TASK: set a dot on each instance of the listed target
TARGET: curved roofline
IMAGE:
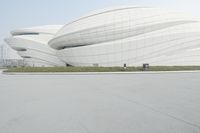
(12, 38)
(37, 30)
(102, 11)
(116, 8)
(21, 32)
(111, 9)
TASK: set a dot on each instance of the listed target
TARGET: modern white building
(131, 35)
(32, 45)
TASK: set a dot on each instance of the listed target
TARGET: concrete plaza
(100, 103)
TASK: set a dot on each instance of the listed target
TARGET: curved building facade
(32, 46)
(130, 35)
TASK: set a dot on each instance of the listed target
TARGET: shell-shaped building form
(130, 35)
(32, 45)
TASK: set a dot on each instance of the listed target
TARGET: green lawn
(101, 69)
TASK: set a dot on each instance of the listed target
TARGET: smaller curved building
(32, 45)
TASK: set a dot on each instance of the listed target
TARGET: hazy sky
(24, 13)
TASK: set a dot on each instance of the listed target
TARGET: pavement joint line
(95, 73)
(163, 113)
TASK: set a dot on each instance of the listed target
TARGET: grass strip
(101, 69)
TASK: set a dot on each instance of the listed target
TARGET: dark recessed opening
(26, 57)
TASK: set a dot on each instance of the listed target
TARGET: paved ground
(107, 103)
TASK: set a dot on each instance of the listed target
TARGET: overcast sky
(25, 13)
